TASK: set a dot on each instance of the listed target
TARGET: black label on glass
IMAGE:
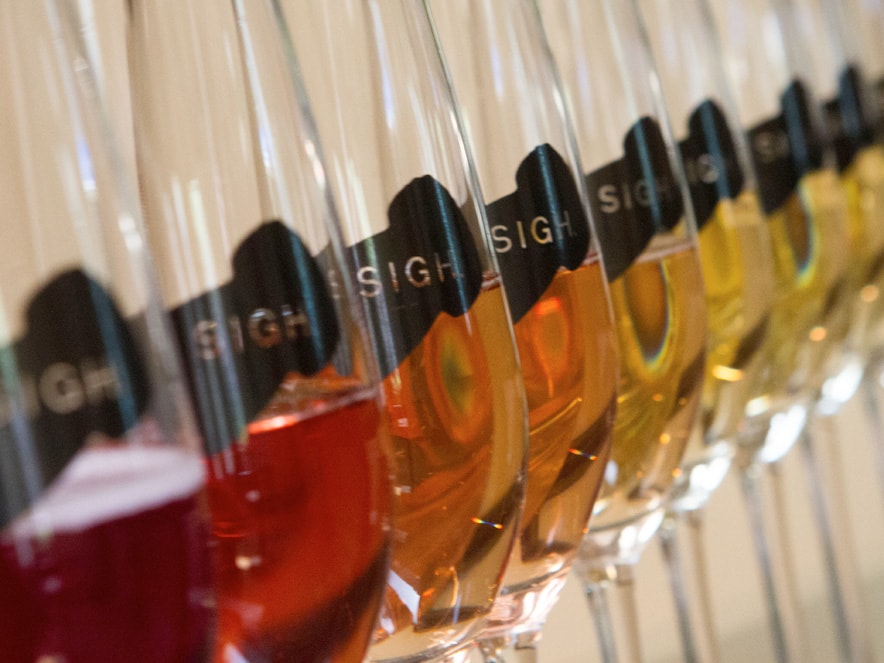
(879, 109)
(710, 160)
(538, 229)
(846, 120)
(785, 148)
(424, 263)
(276, 316)
(77, 371)
(635, 197)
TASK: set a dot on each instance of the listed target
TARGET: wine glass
(836, 74)
(645, 222)
(526, 160)
(414, 223)
(864, 20)
(737, 259)
(806, 205)
(253, 274)
(104, 550)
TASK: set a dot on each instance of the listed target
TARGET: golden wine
(458, 441)
(568, 349)
(660, 314)
(738, 273)
(864, 184)
(737, 268)
(808, 237)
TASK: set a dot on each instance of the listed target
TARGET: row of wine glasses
(463, 294)
(841, 203)
(110, 551)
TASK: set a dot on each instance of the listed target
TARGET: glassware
(836, 72)
(525, 156)
(738, 272)
(252, 268)
(104, 550)
(638, 196)
(414, 221)
(864, 22)
(807, 213)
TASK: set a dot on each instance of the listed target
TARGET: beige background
(740, 612)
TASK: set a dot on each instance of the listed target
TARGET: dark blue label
(785, 148)
(634, 198)
(538, 229)
(710, 159)
(75, 373)
(241, 340)
(850, 129)
(425, 263)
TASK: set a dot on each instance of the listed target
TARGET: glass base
(437, 645)
(841, 385)
(700, 479)
(523, 609)
(616, 545)
(511, 648)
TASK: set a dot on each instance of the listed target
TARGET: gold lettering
(502, 243)
(541, 235)
(263, 328)
(61, 389)
(205, 336)
(367, 277)
(422, 272)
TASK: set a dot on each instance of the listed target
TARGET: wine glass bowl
(510, 107)
(413, 224)
(638, 198)
(253, 275)
(102, 527)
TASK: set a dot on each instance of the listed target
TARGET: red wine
(300, 508)
(111, 564)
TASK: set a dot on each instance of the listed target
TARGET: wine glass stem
(870, 388)
(511, 648)
(825, 479)
(624, 636)
(691, 592)
(772, 550)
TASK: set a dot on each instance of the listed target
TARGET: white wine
(734, 252)
(810, 256)
(738, 274)
(864, 184)
(660, 312)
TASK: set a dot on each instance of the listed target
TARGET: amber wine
(458, 497)
(660, 313)
(568, 350)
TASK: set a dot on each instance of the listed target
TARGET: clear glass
(102, 521)
(864, 23)
(839, 77)
(738, 271)
(413, 218)
(642, 210)
(836, 80)
(526, 159)
(808, 217)
(243, 232)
